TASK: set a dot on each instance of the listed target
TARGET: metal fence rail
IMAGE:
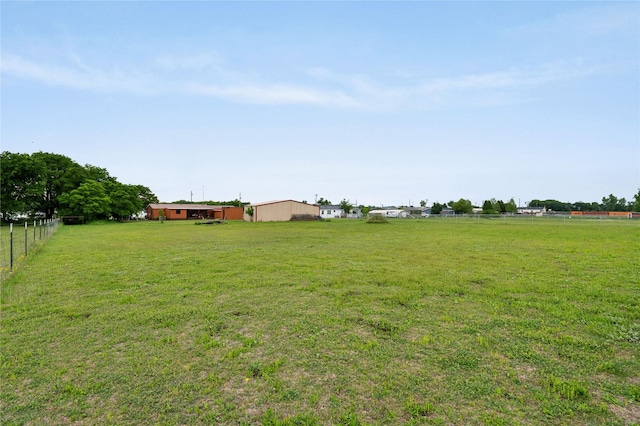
(17, 241)
(567, 218)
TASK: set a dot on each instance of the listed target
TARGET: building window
(178, 211)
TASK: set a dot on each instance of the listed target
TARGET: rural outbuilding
(388, 213)
(280, 211)
(172, 211)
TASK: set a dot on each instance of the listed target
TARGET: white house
(388, 213)
(534, 211)
(331, 212)
(355, 213)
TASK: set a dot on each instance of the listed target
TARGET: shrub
(377, 219)
(301, 217)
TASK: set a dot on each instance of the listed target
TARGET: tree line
(463, 206)
(610, 203)
(45, 184)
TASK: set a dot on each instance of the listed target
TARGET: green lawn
(342, 322)
(21, 241)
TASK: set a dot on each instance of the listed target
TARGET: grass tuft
(568, 389)
(377, 219)
(416, 410)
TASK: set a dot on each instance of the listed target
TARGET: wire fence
(18, 241)
(548, 218)
(557, 218)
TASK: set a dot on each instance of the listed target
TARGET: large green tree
(98, 174)
(20, 186)
(614, 204)
(346, 206)
(123, 199)
(586, 207)
(89, 200)
(462, 206)
(59, 174)
(437, 208)
(147, 197)
(636, 204)
(487, 207)
(36, 183)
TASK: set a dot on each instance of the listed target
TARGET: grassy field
(341, 322)
(22, 241)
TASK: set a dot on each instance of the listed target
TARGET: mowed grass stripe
(341, 322)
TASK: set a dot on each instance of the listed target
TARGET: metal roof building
(280, 211)
(173, 211)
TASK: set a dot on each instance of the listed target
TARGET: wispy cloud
(80, 76)
(274, 94)
(512, 86)
(513, 78)
(319, 87)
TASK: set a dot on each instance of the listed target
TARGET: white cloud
(322, 87)
(273, 94)
(512, 86)
(512, 78)
(81, 77)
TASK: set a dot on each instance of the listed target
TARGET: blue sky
(376, 102)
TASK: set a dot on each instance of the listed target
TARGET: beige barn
(280, 211)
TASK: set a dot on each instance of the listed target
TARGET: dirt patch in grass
(525, 373)
(630, 414)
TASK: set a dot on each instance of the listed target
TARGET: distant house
(333, 211)
(534, 211)
(280, 211)
(388, 213)
(414, 211)
(174, 211)
(355, 213)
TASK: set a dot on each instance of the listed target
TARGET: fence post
(26, 238)
(41, 229)
(11, 246)
(34, 232)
